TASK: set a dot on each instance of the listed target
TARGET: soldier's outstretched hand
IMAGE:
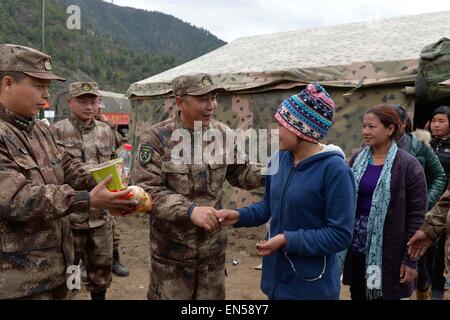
(205, 217)
(418, 245)
(227, 217)
(101, 197)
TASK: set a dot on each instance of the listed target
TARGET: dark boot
(99, 295)
(117, 267)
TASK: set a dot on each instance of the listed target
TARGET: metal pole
(42, 112)
(43, 24)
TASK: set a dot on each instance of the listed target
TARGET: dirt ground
(242, 281)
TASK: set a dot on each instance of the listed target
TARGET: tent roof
(302, 56)
(115, 102)
(111, 94)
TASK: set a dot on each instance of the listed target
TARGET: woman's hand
(267, 248)
(227, 217)
(407, 274)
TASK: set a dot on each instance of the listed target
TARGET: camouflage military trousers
(116, 234)
(172, 280)
(95, 247)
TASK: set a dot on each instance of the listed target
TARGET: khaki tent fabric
(368, 53)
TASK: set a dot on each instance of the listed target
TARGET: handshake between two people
(211, 220)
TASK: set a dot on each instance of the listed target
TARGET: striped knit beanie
(308, 114)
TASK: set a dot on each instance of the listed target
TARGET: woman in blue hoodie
(309, 200)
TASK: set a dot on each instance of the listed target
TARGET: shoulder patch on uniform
(145, 153)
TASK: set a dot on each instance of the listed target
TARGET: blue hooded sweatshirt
(313, 204)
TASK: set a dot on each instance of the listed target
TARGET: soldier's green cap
(15, 58)
(195, 84)
(80, 88)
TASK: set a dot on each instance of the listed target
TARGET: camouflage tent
(360, 64)
(432, 82)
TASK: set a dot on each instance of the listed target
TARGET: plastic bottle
(125, 153)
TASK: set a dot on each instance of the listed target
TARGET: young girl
(391, 204)
(440, 131)
(440, 142)
(310, 202)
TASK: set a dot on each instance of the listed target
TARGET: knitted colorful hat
(308, 114)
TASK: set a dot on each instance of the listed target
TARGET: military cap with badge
(15, 58)
(195, 84)
(31, 62)
(77, 89)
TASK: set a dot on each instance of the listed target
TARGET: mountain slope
(149, 31)
(106, 49)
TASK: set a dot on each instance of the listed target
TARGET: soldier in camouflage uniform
(117, 267)
(436, 225)
(40, 184)
(92, 142)
(187, 243)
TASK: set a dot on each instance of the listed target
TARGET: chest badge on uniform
(145, 153)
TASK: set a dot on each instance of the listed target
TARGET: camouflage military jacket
(437, 224)
(35, 197)
(175, 188)
(92, 145)
(119, 139)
